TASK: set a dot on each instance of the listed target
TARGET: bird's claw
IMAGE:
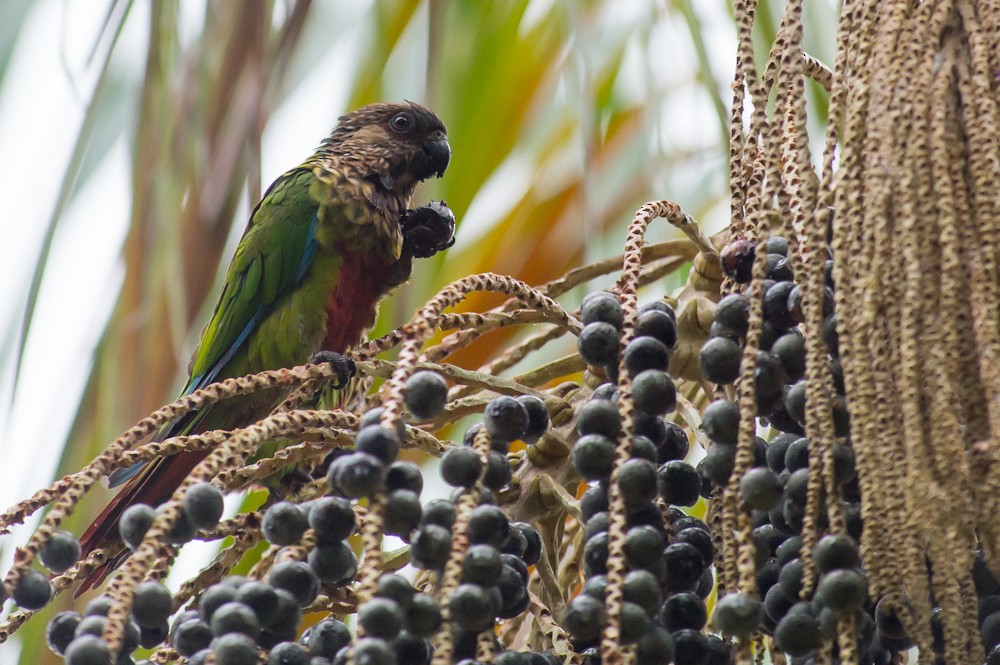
(428, 229)
(342, 365)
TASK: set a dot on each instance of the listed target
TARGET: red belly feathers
(350, 308)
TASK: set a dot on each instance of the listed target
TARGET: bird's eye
(402, 122)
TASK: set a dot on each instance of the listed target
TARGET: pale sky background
(41, 108)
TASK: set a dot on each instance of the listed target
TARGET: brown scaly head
(377, 155)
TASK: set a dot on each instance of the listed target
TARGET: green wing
(277, 248)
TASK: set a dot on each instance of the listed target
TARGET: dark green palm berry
(260, 598)
(61, 630)
(779, 268)
(288, 653)
(379, 442)
(760, 489)
(643, 546)
(32, 591)
(599, 416)
(642, 588)
(213, 598)
(332, 519)
(404, 476)
(770, 378)
(297, 578)
(333, 563)
(440, 512)
(776, 305)
(426, 395)
(373, 651)
(777, 245)
(795, 401)
(183, 529)
(430, 547)
(733, 313)
(488, 525)
(655, 647)
(595, 555)
(690, 646)
(412, 649)
(356, 475)
(235, 649)
(718, 464)
(644, 353)
(720, 360)
(381, 617)
(60, 551)
(675, 445)
(678, 483)
(461, 467)
(538, 418)
(658, 325)
(327, 637)
(684, 565)
(505, 418)
(88, 650)
(373, 417)
(738, 615)
(829, 333)
(601, 306)
(598, 343)
(203, 504)
(593, 501)
(584, 618)
(634, 621)
(843, 590)
(286, 618)
(797, 455)
(721, 421)
(836, 551)
(402, 513)
(397, 588)
(533, 548)
(790, 579)
(637, 482)
(98, 606)
(423, 617)
(134, 524)
(153, 604)
(699, 538)
(593, 456)
(471, 608)
(498, 472)
(653, 391)
(284, 523)
(683, 610)
(797, 634)
(482, 565)
(235, 617)
(790, 348)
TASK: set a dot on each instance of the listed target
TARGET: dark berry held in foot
(426, 395)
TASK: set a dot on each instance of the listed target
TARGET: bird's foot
(342, 365)
(428, 229)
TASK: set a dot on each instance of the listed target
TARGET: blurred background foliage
(563, 116)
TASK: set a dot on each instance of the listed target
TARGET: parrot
(327, 241)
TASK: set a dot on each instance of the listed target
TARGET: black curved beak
(432, 160)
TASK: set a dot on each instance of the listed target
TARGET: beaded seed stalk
(793, 456)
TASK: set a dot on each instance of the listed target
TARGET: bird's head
(393, 146)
